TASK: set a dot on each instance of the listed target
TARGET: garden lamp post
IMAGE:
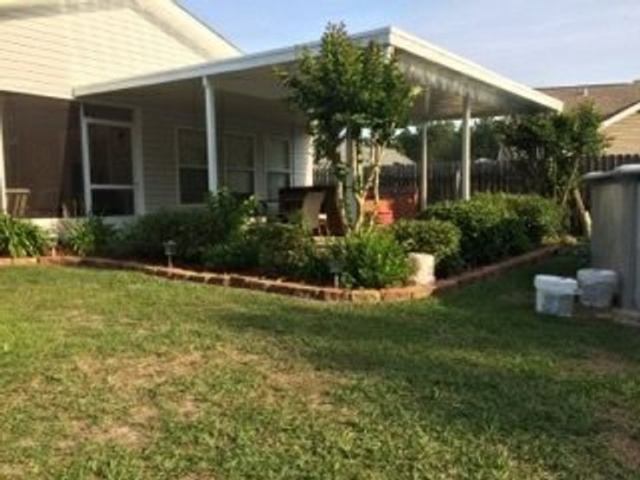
(170, 248)
(336, 267)
(52, 241)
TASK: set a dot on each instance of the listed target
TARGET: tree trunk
(376, 173)
(351, 208)
(361, 201)
(585, 218)
(340, 188)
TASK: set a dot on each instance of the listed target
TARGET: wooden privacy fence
(398, 181)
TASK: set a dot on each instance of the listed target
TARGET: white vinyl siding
(48, 53)
(625, 136)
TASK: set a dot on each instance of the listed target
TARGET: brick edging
(14, 262)
(497, 269)
(327, 294)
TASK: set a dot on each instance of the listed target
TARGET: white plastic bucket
(555, 295)
(597, 287)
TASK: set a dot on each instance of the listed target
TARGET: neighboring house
(123, 107)
(619, 105)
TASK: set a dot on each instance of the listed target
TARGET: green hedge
(144, 238)
(437, 237)
(497, 226)
(372, 259)
(20, 238)
(273, 249)
(544, 218)
(194, 230)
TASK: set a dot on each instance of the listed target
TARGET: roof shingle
(609, 99)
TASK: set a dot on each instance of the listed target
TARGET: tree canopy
(551, 149)
(355, 95)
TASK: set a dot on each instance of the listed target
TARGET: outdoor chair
(18, 199)
(311, 206)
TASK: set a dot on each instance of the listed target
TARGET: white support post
(212, 134)
(86, 164)
(466, 149)
(424, 169)
(3, 181)
(424, 159)
(138, 163)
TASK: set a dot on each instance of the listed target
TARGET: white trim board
(137, 180)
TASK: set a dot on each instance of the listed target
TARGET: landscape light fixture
(336, 266)
(170, 248)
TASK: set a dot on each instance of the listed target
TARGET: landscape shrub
(145, 236)
(236, 254)
(283, 249)
(272, 249)
(194, 230)
(20, 238)
(497, 226)
(544, 218)
(227, 214)
(91, 236)
(438, 237)
(489, 231)
(372, 259)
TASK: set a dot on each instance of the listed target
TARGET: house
(619, 105)
(123, 107)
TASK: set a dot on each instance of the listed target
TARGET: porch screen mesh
(42, 157)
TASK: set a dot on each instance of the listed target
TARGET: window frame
(90, 187)
(267, 170)
(254, 144)
(179, 166)
(139, 203)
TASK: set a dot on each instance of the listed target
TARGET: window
(278, 162)
(110, 167)
(239, 157)
(192, 166)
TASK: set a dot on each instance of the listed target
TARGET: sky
(537, 42)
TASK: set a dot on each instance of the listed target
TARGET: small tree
(552, 148)
(355, 96)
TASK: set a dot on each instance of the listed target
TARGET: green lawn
(118, 375)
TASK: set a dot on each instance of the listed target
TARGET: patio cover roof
(446, 77)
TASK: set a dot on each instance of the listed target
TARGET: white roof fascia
(627, 112)
(191, 72)
(386, 36)
(434, 54)
(245, 62)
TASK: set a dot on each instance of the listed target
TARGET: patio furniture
(317, 205)
(17, 201)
